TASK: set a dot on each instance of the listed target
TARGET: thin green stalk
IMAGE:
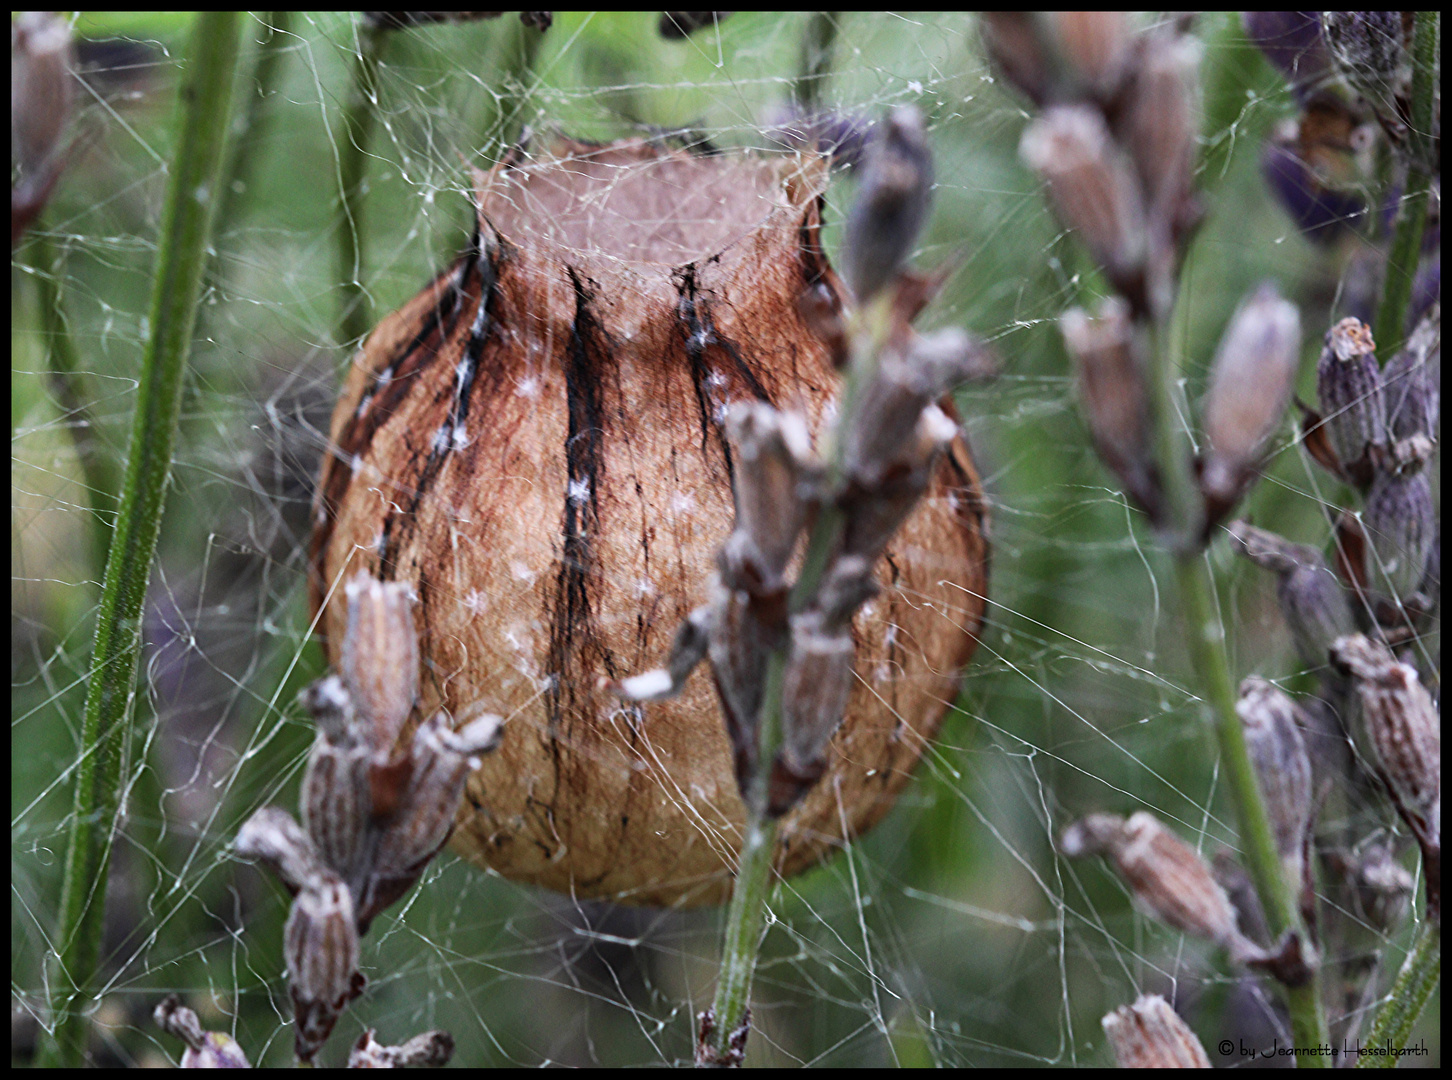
(1205, 636)
(817, 47)
(1420, 975)
(359, 117)
(1406, 248)
(251, 130)
(204, 103)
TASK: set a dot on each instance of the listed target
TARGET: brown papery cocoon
(535, 444)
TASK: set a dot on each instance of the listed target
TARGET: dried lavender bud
(818, 682)
(1402, 725)
(1096, 45)
(1014, 44)
(1311, 598)
(1323, 214)
(337, 806)
(773, 455)
(379, 662)
(1161, 121)
(1164, 874)
(1369, 49)
(1150, 1035)
(1401, 525)
(205, 1049)
(1411, 382)
(1292, 41)
(1273, 738)
(431, 1050)
(739, 648)
(320, 946)
(843, 137)
(1381, 885)
(331, 707)
(40, 112)
(892, 205)
(846, 586)
(875, 514)
(1091, 183)
(274, 837)
(1113, 396)
(1250, 385)
(1349, 389)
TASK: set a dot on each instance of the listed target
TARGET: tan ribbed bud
(1150, 1035)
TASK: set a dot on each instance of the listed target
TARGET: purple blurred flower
(1322, 214)
(1293, 43)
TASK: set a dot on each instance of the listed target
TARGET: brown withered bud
(1349, 390)
(1412, 381)
(1091, 184)
(205, 1049)
(774, 459)
(1369, 48)
(739, 649)
(1250, 385)
(274, 837)
(1015, 45)
(1400, 521)
(1161, 121)
(1402, 726)
(1150, 1035)
(1312, 601)
(320, 947)
(1166, 876)
(1380, 885)
(379, 662)
(892, 205)
(431, 1050)
(1272, 725)
(818, 681)
(1097, 46)
(1113, 396)
(40, 112)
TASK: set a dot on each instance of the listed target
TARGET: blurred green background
(952, 934)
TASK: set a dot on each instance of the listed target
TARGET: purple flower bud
(1401, 525)
(1348, 386)
(1369, 50)
(841, 136)
(1322, 214)
(892, 205)
(1292, 41)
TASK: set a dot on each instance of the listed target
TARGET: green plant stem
(1205, 637)
(1419, 976)
(359, 118)
(1406, 247)
(249, 135)
(204, 102)
(817, 46)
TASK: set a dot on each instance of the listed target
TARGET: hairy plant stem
(1205, 637)
(1411, 220)
(747, 914)
(359, 116)
(204, 103)
(1419, 976)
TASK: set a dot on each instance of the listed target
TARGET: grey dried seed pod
(1369, 49)
(1402, 725)
(331, 706)
(1272, 725)
(1312, 601)
(1411, 381)
(1250, 386)
(1113, 396)
(1150, 1035)
(1161, 121)
(1401, 525)
(379, 660)
(1349, 389)
(320, 947)
(1091, 183)
(817, 683)
(430, 1050)
(773, 457)
(274, 837)
(739, 648)
(1166, 876)
(336, 801)
(1014, 43)
(846, 586)
(892, 204)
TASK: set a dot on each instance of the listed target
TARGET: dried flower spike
(891, 207)
(1400, 521)
(1411, 381)
(320, 946)
(1150, 1035)
(430, 1050)
(205, 1049)
(1161, 123)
